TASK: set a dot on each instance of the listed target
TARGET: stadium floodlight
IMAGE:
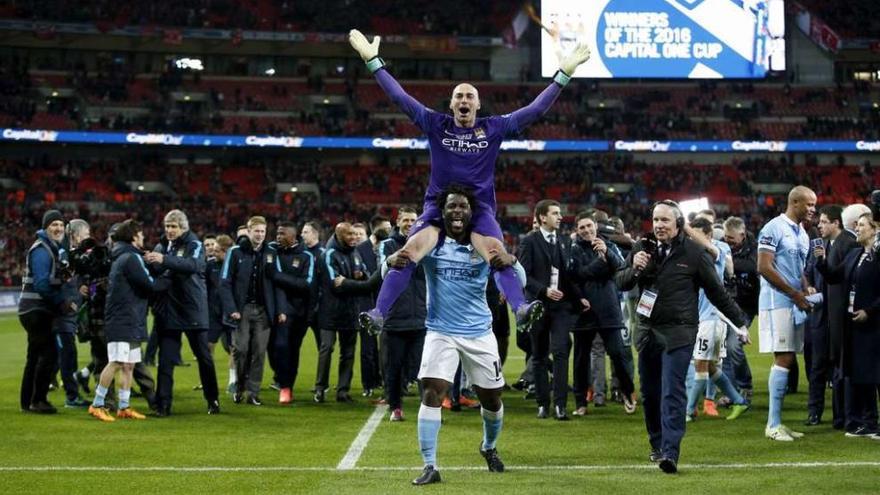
(695, 205)
(140, 187)
(293, 189)
(270, 71)
(189, 64)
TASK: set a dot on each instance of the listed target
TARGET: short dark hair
(702, 223)
(376, 220)
(834, 214)
(543, 207)
(127, 231)
(582, 215)
(599, 215)
(406, 209)
(359, 225)
(210, 236)
(456, 189)
(287, 224)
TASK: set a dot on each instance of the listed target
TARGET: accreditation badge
(180, 253)
(297, 262)
(270, 258)
(646, 303)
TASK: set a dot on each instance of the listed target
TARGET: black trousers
(371, 369)
(501, 329)
(169, 354)
(664, 397)
(288, 342)
(583, 343)
(861, 405)
(400, 348)
(347, 344)
(66, 345)
(42, 356)
(550, 336)
(821, 369)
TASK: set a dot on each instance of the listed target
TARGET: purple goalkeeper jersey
(460, 155)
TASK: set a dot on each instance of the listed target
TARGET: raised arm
(369, 52)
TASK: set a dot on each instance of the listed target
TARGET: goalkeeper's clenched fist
(365, 49)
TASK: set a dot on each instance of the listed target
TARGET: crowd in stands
(381, 17)
(223, 194)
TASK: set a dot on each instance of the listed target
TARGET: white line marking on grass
(360, 442)
(258, 469)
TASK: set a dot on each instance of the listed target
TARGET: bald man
(342, 282)
(783, 245)
(463, 151)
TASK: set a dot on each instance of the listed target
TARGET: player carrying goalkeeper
(463, 150)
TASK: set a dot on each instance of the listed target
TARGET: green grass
(317, 436)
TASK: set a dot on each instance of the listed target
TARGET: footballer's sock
(429, 430)
(393, 286)
(509, 285)
(723, 382)
(492, 423)
(710, 390)
(124, 398)
(85, 372)
(232, 375)
(100, 394)
(777, 383)
(694, 393)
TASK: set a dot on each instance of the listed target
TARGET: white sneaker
(778, 433)
(792, 433)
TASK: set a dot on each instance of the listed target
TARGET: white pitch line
(607, 467)
(349, 461)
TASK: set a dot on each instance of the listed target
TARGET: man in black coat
(186, 311)
(817, 324)
(296, 283)
(311, 239)
(545, 255)
(404, 332)
(593, 265)
(366, 256)
(249, 302)
(125, 323)
(669, 276)
(343, 282)
(744, 250)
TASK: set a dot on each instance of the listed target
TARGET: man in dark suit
(544, 255)
(838, 300)
(822, 364)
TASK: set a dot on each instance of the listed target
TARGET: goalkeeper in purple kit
(463, 150)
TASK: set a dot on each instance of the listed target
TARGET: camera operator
(186, 311)
(65, 326)
(130, 284)
(41, 302)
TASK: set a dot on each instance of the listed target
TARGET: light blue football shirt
(789, 243)
(707, 309)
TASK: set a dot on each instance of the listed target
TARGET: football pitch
(353, 448)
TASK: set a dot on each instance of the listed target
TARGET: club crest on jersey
(475, 257)
(180, 252)
(296, 262)
(480, 133)
(270, 258)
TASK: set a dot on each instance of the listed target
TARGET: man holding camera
(186, 311)
(41, 302)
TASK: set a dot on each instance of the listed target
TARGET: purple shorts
(483, 221)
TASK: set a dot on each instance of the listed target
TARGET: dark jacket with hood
(130, 287)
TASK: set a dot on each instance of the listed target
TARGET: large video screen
(693, 39)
